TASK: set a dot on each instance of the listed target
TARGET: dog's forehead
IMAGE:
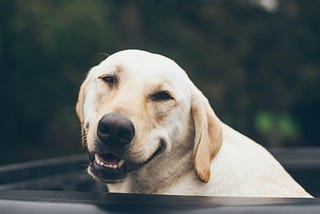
(144, 67)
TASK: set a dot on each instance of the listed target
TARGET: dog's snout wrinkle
(115, 130)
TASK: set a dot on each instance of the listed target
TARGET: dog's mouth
(109, 168)
(108, 161)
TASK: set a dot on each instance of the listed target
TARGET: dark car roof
(34, 202)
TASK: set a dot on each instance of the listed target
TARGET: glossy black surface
(33, 202)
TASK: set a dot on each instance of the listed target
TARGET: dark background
(259, 64)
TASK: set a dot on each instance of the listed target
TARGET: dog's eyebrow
(116, 69)
(119, 68)
(111, 70)
(159, 87)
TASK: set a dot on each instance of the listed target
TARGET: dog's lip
(107, 174)
(132, 166)
(106, 167)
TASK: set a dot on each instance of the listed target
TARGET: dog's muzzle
(108, 162)
(114, 132)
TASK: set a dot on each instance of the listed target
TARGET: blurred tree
(258, 66)
(45, 46)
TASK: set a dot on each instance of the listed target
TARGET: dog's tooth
(97, 160)
(111, 166)
(121, 162)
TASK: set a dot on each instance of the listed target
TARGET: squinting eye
(111, 80)
(161, 96)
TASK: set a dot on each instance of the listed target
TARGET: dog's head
(135, 107)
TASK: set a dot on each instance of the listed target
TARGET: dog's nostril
(126, 135)
(115, 130)
(104, 133)
(104, 129)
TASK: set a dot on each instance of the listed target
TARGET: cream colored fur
(203, 156)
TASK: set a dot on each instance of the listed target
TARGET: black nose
(115, 130)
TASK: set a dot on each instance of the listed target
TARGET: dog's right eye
(161, 96)
(111, 80)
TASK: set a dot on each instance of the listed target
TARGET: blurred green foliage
(275, 128)
(259, 68)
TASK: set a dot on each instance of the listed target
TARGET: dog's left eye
(111, 80)
(161, 96)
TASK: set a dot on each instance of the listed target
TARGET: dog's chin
(108, 168)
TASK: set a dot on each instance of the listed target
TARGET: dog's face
(135, 107)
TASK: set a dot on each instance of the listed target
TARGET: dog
(148, 129)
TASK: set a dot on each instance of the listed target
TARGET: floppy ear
(208, 135)
(79, 110)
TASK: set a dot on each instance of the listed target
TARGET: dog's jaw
(108, 168)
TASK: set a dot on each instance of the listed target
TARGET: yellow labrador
(148, 129)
